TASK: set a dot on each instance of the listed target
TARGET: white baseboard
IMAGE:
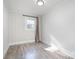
(21, 42)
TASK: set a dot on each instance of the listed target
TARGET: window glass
(30, 23)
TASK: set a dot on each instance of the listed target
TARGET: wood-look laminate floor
(33, 51)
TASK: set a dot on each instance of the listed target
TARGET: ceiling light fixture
(40, 2)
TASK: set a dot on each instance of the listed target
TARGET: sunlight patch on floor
(52, 48)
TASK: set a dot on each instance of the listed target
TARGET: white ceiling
(29, 6)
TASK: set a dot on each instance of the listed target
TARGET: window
(30, 23)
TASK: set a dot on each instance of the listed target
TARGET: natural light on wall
(54, 44)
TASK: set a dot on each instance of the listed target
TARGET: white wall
(58, 26)
(17, 33)
(5, 30)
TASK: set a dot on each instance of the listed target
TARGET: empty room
(39, 29)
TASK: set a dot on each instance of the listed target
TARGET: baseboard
(21, 42)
